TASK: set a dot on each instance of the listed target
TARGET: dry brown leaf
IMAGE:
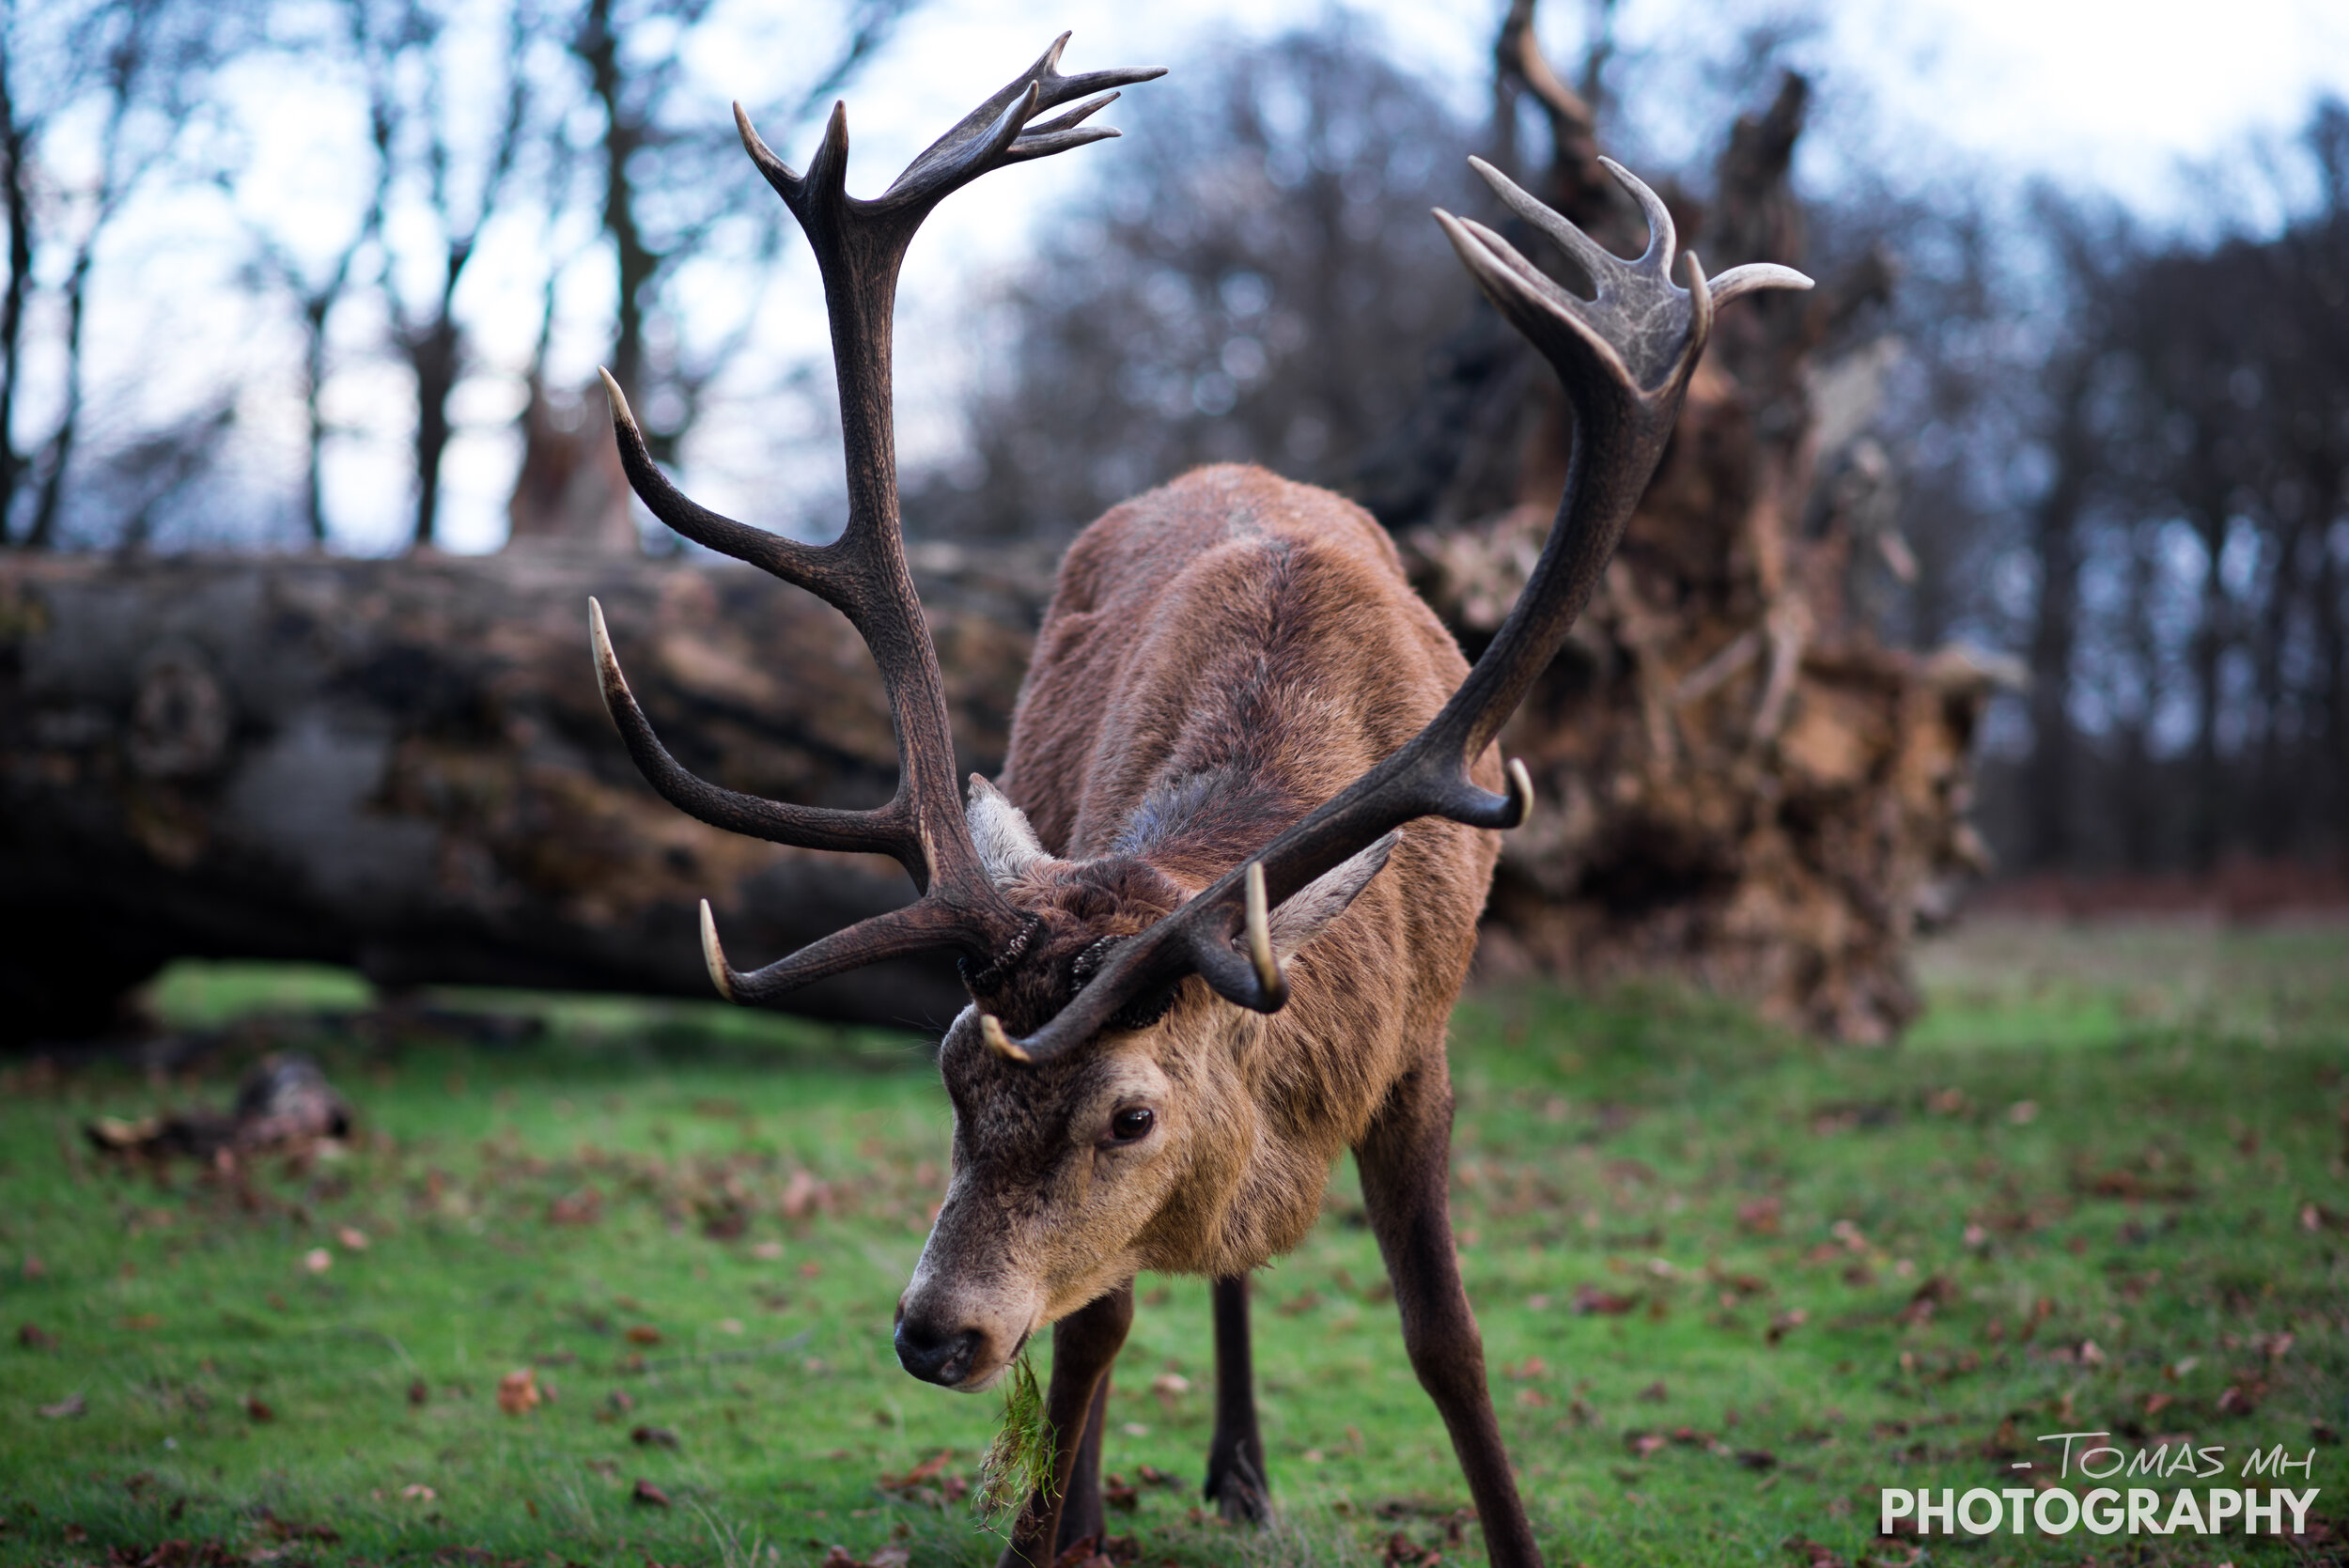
(1589, 1298)
(518, 1391)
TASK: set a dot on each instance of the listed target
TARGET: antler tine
(1661, 239)
(1755, 275)
(988, 135)
(778, 173)
(1624, 359)
(921, 926)
(1063, 131)
(878, 832)
(1589, 253)
(805, 566)
(859, 246)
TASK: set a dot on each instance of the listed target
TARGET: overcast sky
(2097, 92)
(2094, 92)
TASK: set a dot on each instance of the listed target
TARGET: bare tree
(318, 290)
(665, 181)
(143, 64)
(2190, 539)
(430, 169)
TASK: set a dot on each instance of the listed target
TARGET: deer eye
(1132, 1124)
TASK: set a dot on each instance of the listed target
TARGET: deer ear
(1308, 912)
(1000, 830)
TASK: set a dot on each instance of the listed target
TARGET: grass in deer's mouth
(1019, 1463)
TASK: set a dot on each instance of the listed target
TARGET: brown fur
(1235, 628)
(1221, 656)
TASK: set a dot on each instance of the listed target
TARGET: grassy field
(1731, 1284)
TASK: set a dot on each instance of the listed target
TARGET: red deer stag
(1191, 985)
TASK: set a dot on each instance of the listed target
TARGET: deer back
(1221, 657)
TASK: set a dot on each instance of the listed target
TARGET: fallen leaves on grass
(642, 1333)
(2146, 1186)
(652, 1437)
(2241, 1396)
(895, 1555)
(317, 1260)
(518, 1392)
(2005, 1443)
(1590, 1299)
(928, 1482)
(288, 1529)
(927, 1472)
(33, 1337)
(1926, 1300)
(1784, 1324)
(1403, 1552)
(646, 1495)
(1814, 1554)
(257, 1407)
(583, 1207)
(174, 1554)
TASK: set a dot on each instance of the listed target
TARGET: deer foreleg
(1085, 1344)
(1081, 1500)
(1236, 1472)
(1406, 1161)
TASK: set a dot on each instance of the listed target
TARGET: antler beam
(859, 246)
(1625, 358)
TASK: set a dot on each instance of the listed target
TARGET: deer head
(1073, 1172)
(1100, 1124)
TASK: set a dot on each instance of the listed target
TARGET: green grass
(2116, 1139)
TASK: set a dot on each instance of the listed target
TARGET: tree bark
(405, 766)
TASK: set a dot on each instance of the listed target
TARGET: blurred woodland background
(2020, 549)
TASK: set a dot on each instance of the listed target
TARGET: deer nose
(934, 1354)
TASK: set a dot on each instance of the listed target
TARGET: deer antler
(859, 247)
(1625, 358)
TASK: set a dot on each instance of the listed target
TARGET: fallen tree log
(404, 767)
